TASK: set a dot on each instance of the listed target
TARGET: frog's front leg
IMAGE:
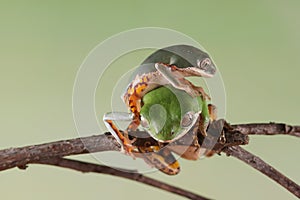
(175, 76)
(123, 140)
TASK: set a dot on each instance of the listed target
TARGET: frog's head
(198, 62)
(167, 115)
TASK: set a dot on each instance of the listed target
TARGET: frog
(165, 67)
(168, 66)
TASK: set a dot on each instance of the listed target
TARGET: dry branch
(268, 129)
(53, 153)
(90, 167)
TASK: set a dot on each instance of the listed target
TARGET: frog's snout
(206, 67)
(211, 70)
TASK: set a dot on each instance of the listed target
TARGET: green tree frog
(150, 104)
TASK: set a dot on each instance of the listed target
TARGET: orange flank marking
(133, 99)
(133, 103)
(140, 88)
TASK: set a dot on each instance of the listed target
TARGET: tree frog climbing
(168, 66)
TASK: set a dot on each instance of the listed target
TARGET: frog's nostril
(213, 70)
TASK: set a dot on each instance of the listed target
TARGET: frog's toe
(203, 128)
(203, 132)
(203, 93)
(127, 150)
(127, 147)
(212, 109)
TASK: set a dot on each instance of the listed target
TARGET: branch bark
(20, 157)
(268, 129)
(89, 167)
(53, 153)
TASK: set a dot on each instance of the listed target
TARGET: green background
(255, 44)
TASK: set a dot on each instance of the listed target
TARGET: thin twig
(89, 167)
(263, 167)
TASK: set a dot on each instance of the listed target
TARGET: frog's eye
(204, 63)
(187, 119)
(144, 122)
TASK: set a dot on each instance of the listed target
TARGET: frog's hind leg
(163, 160)
(189, 149)
(123, 140)
(177, 80)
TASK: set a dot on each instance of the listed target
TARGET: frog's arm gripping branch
(178, 81)
(108, 119)
(53, 153)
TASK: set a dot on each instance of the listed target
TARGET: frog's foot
(127, 147)
(203, 127)
(133, 126)
(204, 119)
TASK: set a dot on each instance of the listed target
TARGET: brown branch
(20, 157)
(52, 153)
(268, 129)
(257, 163)
(89, 167)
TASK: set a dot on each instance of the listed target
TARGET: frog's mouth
(200, 72)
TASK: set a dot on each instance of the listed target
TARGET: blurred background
(255, 44)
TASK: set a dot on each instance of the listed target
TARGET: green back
(164, 108)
